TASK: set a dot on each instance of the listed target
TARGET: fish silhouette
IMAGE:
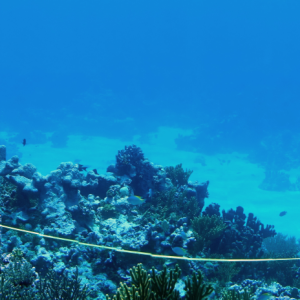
(24, 142)
(283, 213)
(81, 167)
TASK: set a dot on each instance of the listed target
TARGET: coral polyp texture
(134, 205)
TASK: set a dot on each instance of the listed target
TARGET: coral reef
(94, 208)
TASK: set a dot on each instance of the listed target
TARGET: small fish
(24, 142)
(183, 234)
(135, 200)
(283, 213)
(81, 167)
(95, 171)
(179, 251)
(150, 193)
(266, 296)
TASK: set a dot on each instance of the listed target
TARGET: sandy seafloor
(232, 183)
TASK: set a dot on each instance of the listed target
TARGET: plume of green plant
(6, 192)
(188, 207)
(207, 229)
(167, 202)
(177, 175)
(233, 294)
(18, 278)
(226, 272)
(19, 271)
(196, 289)
(163, 284)
(10, 292)
(61, 287)
(281, 271)
(280, 244)
(7, 290)
(108, 211)
(162, 204)
(296, 283)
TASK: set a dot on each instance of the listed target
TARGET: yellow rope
(150, 254)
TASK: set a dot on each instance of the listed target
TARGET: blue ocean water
(213, 85)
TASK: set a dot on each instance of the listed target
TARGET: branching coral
(207, 229)
(161, 286)
(140, 289)
(164, 283)
(128, 159)
(142, 281)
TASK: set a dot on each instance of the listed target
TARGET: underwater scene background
(149, 150)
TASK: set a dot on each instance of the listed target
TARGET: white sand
(232, 183)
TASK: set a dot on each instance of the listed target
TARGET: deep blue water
(162, 63)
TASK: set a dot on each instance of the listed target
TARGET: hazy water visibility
(210, 84)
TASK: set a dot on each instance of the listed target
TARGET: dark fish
(81, 167)
(95, 171)
(24, 142)
(283, 213)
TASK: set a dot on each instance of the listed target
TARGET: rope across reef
(150, 254)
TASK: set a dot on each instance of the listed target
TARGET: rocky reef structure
(101, 209)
